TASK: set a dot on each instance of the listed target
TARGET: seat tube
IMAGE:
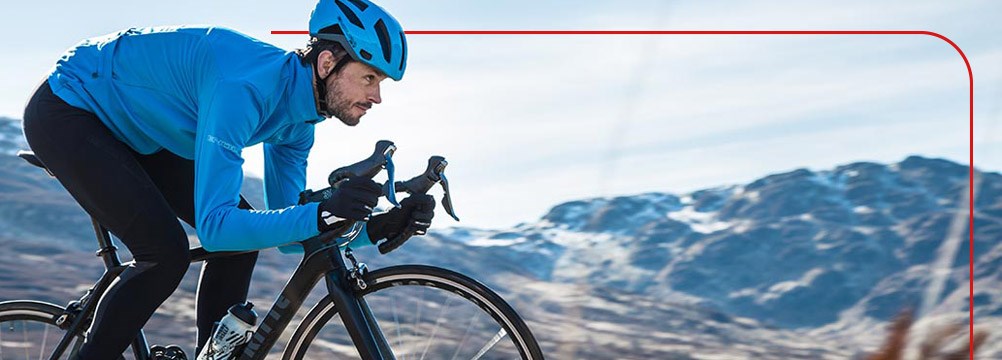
(141, 348)
(107, 250)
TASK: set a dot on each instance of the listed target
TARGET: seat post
(107, 249)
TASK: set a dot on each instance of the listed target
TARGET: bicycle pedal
(169, 352)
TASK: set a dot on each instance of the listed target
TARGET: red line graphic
(967, 63)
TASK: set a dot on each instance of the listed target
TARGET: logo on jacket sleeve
(224, 144)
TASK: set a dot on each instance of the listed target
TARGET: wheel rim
(28, 334)
(421, 322)
(425, 313)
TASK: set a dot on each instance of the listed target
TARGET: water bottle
(230, 332)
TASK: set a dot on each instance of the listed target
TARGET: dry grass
(935, 346)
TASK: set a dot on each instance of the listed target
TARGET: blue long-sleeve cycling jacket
(205, 94)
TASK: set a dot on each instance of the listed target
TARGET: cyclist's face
(352, 91)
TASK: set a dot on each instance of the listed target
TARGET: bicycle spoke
(45, 336)
(417, 318)
(490, 344)
(438, 323)
(466, 336)
(396, 321)
(24, 329)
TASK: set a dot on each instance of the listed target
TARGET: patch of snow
(862, 210)
(742, 226)
(701, 222)
(822, 179)
(485, 242)
(865, 230)
(33, 258)
(574, 239)
(779, 289)
(463, 235)
(746, 292)
(824, 246)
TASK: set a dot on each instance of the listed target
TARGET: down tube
(288, 303)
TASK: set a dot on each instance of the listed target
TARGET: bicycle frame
(323, 259)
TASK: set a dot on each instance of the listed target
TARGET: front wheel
(424, 312)
(28, 330)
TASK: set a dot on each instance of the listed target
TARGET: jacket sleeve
(227, 118)
(285, 169)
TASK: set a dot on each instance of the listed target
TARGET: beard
(341, 107)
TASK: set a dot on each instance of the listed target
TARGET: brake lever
(434, 173)
(447, 199)
(391, 194)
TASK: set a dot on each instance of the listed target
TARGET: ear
(325, 63)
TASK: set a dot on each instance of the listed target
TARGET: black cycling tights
(139, 199)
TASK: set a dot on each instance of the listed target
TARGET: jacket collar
(302, 99)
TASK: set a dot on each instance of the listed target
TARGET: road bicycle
(398, 312)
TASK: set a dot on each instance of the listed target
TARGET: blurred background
(660, 196)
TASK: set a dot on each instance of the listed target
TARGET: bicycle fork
(345, 292)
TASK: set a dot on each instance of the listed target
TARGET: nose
(374, 96)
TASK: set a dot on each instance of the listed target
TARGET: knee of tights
(167, 269)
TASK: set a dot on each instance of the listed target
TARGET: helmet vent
(352, 17)
(361, 5)
(384, 39)
(365, 55)
(403, 54)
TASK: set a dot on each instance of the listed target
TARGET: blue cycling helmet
(370, 34)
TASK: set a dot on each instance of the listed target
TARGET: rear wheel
(28, 330)
(425, 313)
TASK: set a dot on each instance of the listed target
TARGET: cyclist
(147, 125)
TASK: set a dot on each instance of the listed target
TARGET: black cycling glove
(413, 217)
(352, 201)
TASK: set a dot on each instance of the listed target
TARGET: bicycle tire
(20, 322)
(439, 282)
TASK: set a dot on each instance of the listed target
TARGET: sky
(528, 122)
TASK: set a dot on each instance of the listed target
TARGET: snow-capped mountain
(831, 254)
(796, 249)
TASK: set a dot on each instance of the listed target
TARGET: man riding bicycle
(146, 126)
